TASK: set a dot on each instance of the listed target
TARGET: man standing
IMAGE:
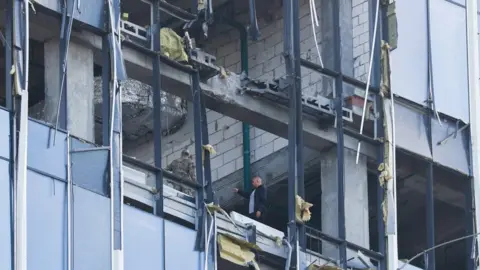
(257, 199)
(184, 167)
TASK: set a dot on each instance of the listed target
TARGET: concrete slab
(257, 112)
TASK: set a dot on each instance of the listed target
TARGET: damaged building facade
(359, 116)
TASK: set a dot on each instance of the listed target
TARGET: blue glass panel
(143, 240)
(89, 169)
(452, 152)
(43, 154)
(410, 130)
(46, 225)
(4, 134)
(409, 59)
(5, 228)
(181, 241)
(92, 230)
(449, 57)
(90, 12)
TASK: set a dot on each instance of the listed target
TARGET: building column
(79, 82)
(356, 201)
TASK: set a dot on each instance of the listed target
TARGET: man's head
(185, 153)
(256, 181)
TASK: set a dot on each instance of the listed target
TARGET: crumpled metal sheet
(137, 109)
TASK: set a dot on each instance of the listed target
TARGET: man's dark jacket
(260, 198)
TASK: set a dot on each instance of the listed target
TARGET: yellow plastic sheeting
(237, 251)
(302, 210)
(172, 45)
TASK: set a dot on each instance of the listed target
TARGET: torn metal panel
(451, 145)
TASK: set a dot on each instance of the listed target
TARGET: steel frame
(295, 140)
(10, 104)
(295, 178)
(379, 127)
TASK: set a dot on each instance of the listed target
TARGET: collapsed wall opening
(450, 213)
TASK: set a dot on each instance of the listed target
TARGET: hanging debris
(302, 210)
(172, 45)
(137, 109)
(237, 251)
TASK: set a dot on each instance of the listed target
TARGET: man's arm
(244, 194)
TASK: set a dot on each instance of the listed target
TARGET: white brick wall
(361, 44)
(265, 62)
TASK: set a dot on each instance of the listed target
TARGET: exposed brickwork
(265, 61)
(361, 44)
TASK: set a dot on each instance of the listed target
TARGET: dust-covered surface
(137, 108)
(225, 86)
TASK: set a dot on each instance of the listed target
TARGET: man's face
(255, 182)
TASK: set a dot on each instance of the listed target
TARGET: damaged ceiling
(137, 110)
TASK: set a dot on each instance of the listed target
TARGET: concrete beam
(259, 113)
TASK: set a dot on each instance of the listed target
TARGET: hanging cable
(65, 36)
(209, 236)
(369, 76)
(437, 246)
(69, 205)
(114, 86)
(314, 18)
(431, 93)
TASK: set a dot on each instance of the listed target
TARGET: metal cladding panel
(449, 58)
(409, 59)
(143, 240)
(46, 223)
(5, 228)
(4, 134)
(453, 151)
(43, 154)
(410, 132)
(91, 223)
(180, 253)
(89, 169)
(90, 12)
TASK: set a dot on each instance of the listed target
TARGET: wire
(64, 62)
(369, 76)
(209, 237)
(437, 246)
(314, 18)
(431, 92)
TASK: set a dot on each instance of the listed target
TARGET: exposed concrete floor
(259, 113)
